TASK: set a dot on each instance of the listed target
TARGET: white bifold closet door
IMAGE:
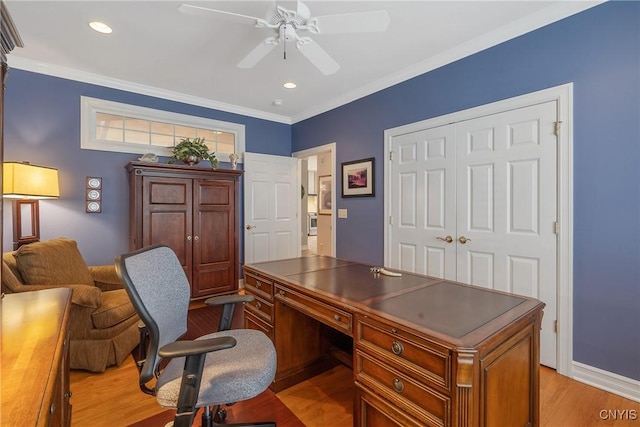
(475, 201)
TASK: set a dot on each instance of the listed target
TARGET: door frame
(563, 96)
(331, 148)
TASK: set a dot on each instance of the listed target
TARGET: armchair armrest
(105, 277)
(195, 347)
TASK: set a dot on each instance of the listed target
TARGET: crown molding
(546, 16)
(96, 79)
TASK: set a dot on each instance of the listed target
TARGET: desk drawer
(259, 286)
(425, 361)
(329, 315)
(261, 308)
(252, 321)
(418, 400)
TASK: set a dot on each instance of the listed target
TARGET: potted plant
(191, 151)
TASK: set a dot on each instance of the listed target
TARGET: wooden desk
(424, 351)
(35, 361)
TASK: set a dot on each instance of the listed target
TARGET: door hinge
(555, 326)
(556, 127)
(556, 227)
(391, 155)
(390, 220)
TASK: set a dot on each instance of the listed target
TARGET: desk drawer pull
(258, 305)
(282, 293)
(397, 385)
(397, 348)
(337, 317)
(258, 284)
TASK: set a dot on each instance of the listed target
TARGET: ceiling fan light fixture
(100, 27)
(290, 85)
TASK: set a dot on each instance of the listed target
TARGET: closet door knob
(447, 239)
(463, 240)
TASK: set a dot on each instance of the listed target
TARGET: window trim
(90, 106)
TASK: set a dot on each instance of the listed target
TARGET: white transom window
(124, 128)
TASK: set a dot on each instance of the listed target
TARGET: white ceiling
(156, 50)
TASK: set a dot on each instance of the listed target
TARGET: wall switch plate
(342, 213)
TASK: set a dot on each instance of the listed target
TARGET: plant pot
(191, 160)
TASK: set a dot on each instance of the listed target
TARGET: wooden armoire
(194, 210)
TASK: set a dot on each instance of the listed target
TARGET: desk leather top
(448, 308)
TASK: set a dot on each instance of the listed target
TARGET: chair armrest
(229, 299)
(195, 347)
(105, 277)
(82, 295)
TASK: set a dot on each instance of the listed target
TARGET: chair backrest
(160, 293)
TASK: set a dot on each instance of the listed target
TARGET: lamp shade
(27, 181)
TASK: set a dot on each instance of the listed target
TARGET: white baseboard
(608, 381)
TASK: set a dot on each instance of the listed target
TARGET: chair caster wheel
(221, 415)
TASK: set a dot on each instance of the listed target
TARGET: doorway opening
(317, 230)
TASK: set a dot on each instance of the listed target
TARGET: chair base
(210, 418)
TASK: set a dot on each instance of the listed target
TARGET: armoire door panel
(216, 229)
(163, 192)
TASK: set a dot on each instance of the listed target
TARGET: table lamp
(27, 183)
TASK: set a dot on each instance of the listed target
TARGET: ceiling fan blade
(258, 52)
(189, 9)
(358, 22)
(317, 55)
(303, 11)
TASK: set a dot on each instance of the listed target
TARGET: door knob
(447, 239)
(249, 227)
(463, 240)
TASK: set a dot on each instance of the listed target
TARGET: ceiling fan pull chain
(284, 43)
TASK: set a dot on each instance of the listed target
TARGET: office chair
(219, 368)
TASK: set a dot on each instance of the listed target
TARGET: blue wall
(42, 126)
(599, 51)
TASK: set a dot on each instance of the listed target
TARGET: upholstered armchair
(103, 323)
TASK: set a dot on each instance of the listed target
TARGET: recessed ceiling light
(100, 27)
(290, 85)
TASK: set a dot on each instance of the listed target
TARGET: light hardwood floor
(113, 399)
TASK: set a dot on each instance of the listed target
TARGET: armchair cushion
(115, 307)
(52, 262)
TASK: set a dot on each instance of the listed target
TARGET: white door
(490, 184)
(271, 205)
(506, 208)
(423, 205)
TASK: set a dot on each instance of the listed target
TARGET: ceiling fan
(286, 24)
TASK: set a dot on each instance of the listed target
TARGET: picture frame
(358, 179)
(325, 198)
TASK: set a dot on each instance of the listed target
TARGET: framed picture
(325, 202)
(357, 178)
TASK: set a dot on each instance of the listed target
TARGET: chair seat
(238, 373)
